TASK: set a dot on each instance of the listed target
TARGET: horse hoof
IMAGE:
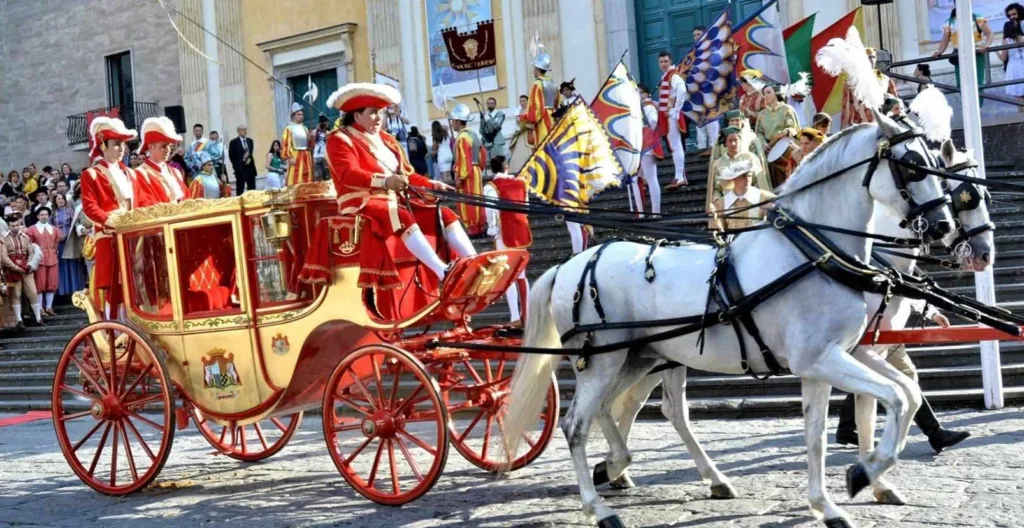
(723, 491)
(856, 479)
(889, 497)
(838, 522)
(623, 482)
(611, 522)
(601, 474)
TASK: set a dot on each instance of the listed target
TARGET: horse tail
(529, 386)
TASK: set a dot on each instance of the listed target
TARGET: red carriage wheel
(385, 424)
(113, 408)
(252, 442)
(476, 397)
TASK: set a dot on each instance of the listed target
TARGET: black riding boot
(846, 433)
(938, 437)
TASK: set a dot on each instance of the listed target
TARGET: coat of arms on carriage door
(279, 344)
(219, 370)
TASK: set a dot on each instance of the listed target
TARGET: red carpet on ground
(30, 416)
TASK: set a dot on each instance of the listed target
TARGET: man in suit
(241, 156)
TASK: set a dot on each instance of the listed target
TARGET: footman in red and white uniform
(158, 139)
(370, 172)
(510, 230)
(651, 152)
(671, 123)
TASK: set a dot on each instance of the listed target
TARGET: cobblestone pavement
(979, 483)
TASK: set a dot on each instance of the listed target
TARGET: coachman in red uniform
(166, 183)
(370, 172)
(510, 230)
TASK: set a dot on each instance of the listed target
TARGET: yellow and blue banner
(575, 162)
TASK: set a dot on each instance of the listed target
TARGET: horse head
(973, 241)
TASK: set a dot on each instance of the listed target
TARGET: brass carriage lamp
(277, 222)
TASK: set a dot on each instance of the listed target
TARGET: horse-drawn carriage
(222, 333)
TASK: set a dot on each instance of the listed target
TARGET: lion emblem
(472, 48)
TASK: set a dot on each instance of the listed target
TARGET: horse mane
(821, 163)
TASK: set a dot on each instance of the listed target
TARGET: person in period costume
(71, 266)
(109, 189)
(197, 145)
(822, 122)
(777, 122)
(748, 142)
(810, 139)
(671, 122)
(739, 194)
(370, 170)
(206, 184)
(80, 243)
(491, 122)
(18, 258)
(158, 140)
(854, 111)
(751, 100)
(295, 149)
(798, 96)
(510, 230)
(651, 151)
(47, 275)
(470, 159)
(542, 101)
(734, 152)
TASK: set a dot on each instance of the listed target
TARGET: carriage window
(207, 270)
(276, 265)
(149, 284)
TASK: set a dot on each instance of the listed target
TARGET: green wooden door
(326, 82)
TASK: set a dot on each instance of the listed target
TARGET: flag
(471, 50)
(828, 91)
(617, 107)
(798, 47)
(575, 162)
(760, 46)
(708, 70)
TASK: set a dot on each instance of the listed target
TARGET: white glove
(81, 230)
(492, 231)
(674, 113)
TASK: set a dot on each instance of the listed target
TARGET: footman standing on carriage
(158, 139)
(468, 169)
(510, 230)
(371, 175)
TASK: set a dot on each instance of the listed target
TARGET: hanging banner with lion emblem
(472, 50)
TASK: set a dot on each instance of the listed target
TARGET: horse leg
(867, 408)
(837, 368)
(815, 394)
(625, 410)
(674, 407)
(910, 388)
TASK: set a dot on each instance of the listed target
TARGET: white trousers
(512, 295)
(649, 172)
(711, 131)
(675, 140)
(576, 235)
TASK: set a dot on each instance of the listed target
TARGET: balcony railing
(133, 116)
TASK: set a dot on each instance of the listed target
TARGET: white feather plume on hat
(801, 87)
(933, 113)
(849, 56)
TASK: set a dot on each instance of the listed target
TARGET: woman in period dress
(71, 267)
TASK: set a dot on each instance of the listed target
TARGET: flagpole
(984, 285)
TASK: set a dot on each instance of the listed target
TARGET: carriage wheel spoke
(472, 371)
(394, 387)
(85, 372)
(501, 427)
(472, 425)
(99, 449)
(487, 436)
(75, 416)
(127, 366)
(487, 370)
(376, 465)
(501, 369)
(113, 459)
(345, 428)
(378, 382)
(145, 401)
(146, 421)
(409, 458)
(113, 362)
(529, 440)
(128, 452)
(366, 392)
(79, 393)
(362, 410)
(142, 376)
(74, 448)
(259, 434)
(394, 468)
(357, 451)
(104, 388)
(145, 446)
(223, 433)
(280, 425)
(411, 399)
(423, 445)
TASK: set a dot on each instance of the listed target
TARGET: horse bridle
(906, 170)
(967, 197)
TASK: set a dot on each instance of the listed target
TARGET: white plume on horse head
(933, 113)
(849, 56)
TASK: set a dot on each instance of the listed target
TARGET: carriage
(221, 333)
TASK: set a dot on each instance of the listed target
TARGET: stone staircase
(950, 375)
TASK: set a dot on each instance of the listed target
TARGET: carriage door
(216, 339)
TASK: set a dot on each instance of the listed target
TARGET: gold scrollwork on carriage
(487, 277)
(217, 322)
(152, 326)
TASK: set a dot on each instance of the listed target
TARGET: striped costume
(470, 157)
(295, 151)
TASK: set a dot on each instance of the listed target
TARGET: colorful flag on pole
(575, 162)
(798, 47)
(828, 91)
(471, 50)
(760, 46)
(617, 107)
(709, 72)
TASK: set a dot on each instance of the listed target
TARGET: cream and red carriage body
(222, 334)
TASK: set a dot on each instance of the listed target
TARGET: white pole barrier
(985, 291)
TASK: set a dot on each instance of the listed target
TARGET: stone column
(890, 27)
(385, 31)
(232, 78)
(620, 24)
(541, 17)
(193, 64)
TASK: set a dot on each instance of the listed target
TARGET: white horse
(974, 247)
(812, 343)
